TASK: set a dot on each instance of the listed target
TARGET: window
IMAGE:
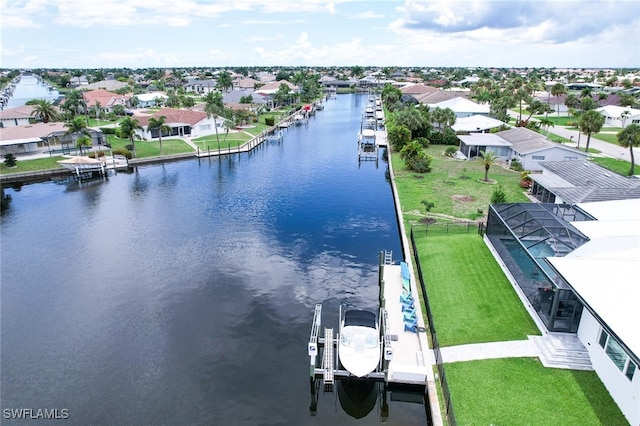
(205, 127)
(603, 339)
(631, 368)
(617, 354)
(537, 157)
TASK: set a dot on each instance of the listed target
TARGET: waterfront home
(575, 267)
(105, 98)
(41, 137)
(183, 122)
(17, 116)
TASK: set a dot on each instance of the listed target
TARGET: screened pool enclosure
(524, 235)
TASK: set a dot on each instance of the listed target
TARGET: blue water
(30, 88)
(183, 293)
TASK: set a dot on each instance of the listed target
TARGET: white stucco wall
(625, 393)
(551, 154)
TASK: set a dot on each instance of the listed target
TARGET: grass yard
(453, 186)
(32, 165)
(211, 141)
(146, 149)
(520, 391)
(616, 165)
(471, 299)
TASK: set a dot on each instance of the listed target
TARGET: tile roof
(32, 132)
(418, 89)
(582, 181)
(23, 111)
(175, 116)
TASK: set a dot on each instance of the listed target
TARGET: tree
(44, 111)
(499, 195)
(78, 128)
(82, 141)
(590, 122)
(225, 82)
(558, 90)
(411, 119)
(159, 124)
(624, 115)
(489, 158)
(128, 130)
(72, 102)
(214, 106)
(10, 160)
(629, 137)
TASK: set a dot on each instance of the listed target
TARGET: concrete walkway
(492, 350)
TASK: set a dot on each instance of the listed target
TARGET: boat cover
(360, 318)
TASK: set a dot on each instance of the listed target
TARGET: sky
(402, 33)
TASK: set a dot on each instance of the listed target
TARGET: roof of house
(106, 98)
(175, 116)
(246, 83)
(580, 181)
(417, 89)
(460, 104)
(106, 85)
(147, 97)
(439, 96)
(475, 123)
(483, 139)
(273, 86)
(31, 133)
(23, 111)
(604, 271)
(615, 111)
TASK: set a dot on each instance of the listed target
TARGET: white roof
(147, 97)
(483, 139)
(615, 111)
(475, 123)
(460, 104)
(604, 271)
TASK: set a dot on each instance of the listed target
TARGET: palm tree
(489, 158)
(45, 111)
(558, 90)
(214, 107)
(77, 127)
(159, 124)
(83, 140)
(624, 115)
(225, 82)
(128, 130)
(590, 122)
(546, 123)
(629, 137)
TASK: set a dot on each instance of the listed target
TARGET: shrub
(515, 165)
(424, 142)
(428, 205)
(108, 130)
(270, 121)
(450, 151)
(499, 195)
(93, 154)
(10, 160)
(129, 147)
(420, 163)
(127, 154)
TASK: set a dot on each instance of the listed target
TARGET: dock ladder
(327, 360)
(388, 257)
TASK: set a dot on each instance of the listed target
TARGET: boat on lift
(359, 344)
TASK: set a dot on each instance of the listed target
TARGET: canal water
(31, 87)
(183, 293)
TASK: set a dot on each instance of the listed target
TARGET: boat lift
(329, 370)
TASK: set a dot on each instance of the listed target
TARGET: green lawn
(471, 299)
(146, 149)
(231, 140)
(616, 165)
(453, 186)
(32, 165)
(520, 391)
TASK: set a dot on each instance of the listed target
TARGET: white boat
(298, 118)
(359, 346)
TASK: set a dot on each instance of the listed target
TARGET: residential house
(246, 83)
(17, 116)
(580, 181)
(183, 122)
(617, 116)
(200, 87)
(151, 100)
(39, 137)
(476, 124)
(518, 143)
(575, 268)
(105, 98)
(461, 106)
